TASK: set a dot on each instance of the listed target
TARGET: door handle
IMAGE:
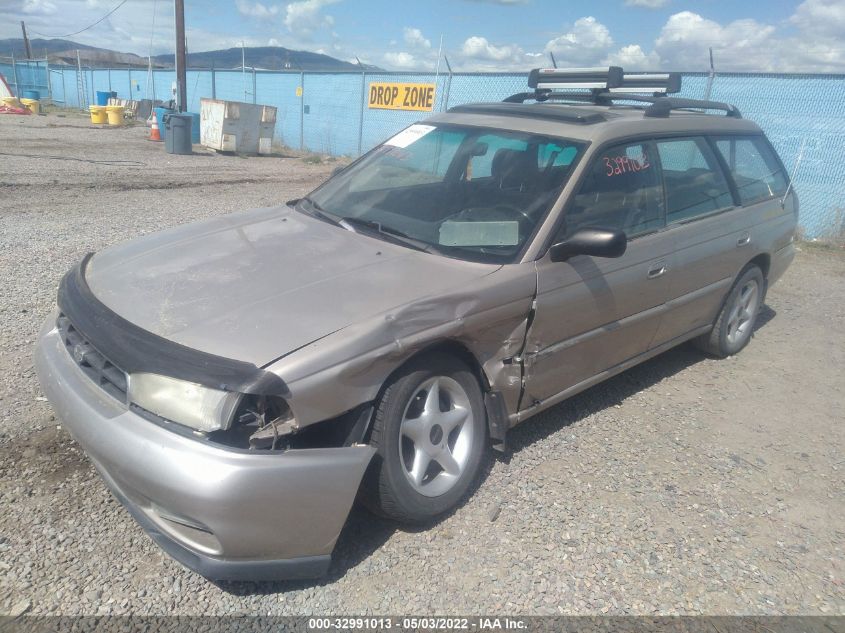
(745, 240)
(657, 270)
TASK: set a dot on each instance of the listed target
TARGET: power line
(120, 4)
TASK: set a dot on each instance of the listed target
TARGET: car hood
(258, 285)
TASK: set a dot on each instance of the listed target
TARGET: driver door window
(622, 191)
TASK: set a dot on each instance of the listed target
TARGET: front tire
(430, 429)
(735, 323)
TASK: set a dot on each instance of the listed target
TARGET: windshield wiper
(394, 235)
(350, 224)
(319, 212)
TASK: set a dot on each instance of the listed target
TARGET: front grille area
(93, 364)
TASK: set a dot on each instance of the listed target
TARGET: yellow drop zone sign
(401, 96)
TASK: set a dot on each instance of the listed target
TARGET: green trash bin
(177, 140)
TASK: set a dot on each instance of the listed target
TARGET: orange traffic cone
(155, 135)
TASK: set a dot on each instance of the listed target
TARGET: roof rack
(578, 116)
(663, 106)
(593, 78)
(665, 83)
(613, 84)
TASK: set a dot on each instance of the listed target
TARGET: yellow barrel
(115, 114)
(98, 114)
(32, 105)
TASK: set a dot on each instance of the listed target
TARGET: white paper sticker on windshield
(504, 233)
(409, 135)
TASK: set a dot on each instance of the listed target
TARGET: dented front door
(593, 313)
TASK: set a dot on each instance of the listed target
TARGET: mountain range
(60, 51)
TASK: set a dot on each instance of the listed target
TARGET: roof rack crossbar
(577, 116)
(662, 106)
(547, 95)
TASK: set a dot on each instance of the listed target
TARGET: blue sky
(776, 35)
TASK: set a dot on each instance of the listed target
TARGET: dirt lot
(686, 485)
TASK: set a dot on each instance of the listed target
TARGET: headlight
(187, 403)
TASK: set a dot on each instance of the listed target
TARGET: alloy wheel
(741, 317)
(436, 436)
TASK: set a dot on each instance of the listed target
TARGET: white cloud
(477, 53)
(586, 42)
(647, 4)
(633, 57)
(406, 61)
(821, 18)
(684, 41)
(421, 57)
(415, 38)
(38, 7)
(127, 30)
(504, 2)
(811, 40)
(304, 17)
(477, 47)
(752, 46)
(256, 9)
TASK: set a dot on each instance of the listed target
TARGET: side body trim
(523, 415)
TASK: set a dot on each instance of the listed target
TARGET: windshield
(467, 192)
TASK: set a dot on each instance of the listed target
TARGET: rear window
(756, 171)
(695, 184)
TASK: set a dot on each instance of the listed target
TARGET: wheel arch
(763, 261)
(459, 350)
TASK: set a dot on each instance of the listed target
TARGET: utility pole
(181, 58)
(26, 41)
(243, 68)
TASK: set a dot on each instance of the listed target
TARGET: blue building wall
(793, 110)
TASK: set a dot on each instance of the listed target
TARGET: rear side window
(756, 171)
(621, 191)
(694, 182)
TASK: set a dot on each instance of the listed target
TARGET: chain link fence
(26, 74)
(327, 112)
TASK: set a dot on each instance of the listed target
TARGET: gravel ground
(683, 486)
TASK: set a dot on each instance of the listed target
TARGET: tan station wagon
(238, 382)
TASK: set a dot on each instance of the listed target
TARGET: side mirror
(591, 241)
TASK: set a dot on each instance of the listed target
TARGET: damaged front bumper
(227, 514)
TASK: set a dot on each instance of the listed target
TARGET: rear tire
(430, 429)
(735, 324)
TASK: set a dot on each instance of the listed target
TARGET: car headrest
(513, 168)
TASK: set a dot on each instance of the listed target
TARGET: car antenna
(794, 172)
